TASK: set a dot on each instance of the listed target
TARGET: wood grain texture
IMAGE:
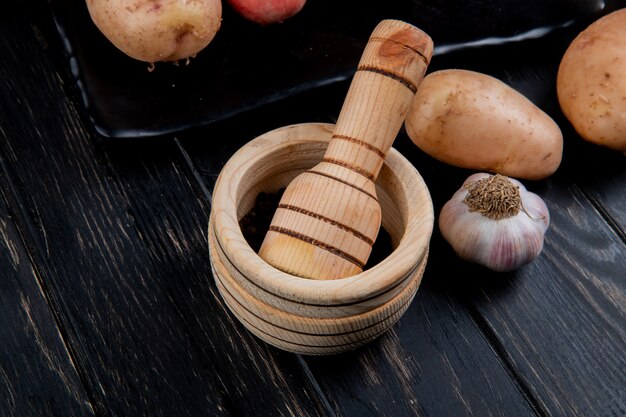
(37, 376)
(600, 173)
(118, 234)
(559, 322)
(293, 312)
(571, 307)
(434, 362)
(392, 66)
(260, 167)
(543, 322)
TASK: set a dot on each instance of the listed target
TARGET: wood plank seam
(304, 367)
(195, 173)
(10, 195)
(604, 214)
(315, 386)
(501, 354)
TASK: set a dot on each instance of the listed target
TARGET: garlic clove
(515, 244)
(536, 209)
(503, 244)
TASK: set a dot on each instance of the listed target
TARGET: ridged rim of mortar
(376, 280)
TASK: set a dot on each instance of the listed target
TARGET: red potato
(157, 30)
(266, 12)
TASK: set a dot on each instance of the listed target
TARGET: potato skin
(591, 85)
(266, 12)
(157, 30)
(472, 120)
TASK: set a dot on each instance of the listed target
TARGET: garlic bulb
(494, 221)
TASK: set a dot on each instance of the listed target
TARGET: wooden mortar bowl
(304, 315)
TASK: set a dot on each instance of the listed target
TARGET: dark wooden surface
(108, 308)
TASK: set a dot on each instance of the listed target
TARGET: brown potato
(591, 85)
(157, 30)
(472, 120)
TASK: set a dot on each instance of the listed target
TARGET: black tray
(248, 65)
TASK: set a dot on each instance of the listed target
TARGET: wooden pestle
(329, 216)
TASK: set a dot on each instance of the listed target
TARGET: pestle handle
(329, 216)
(392, 65)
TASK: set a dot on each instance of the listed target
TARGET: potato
(266, 12)
(157, 30)
(591, 85)
(472, 120)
